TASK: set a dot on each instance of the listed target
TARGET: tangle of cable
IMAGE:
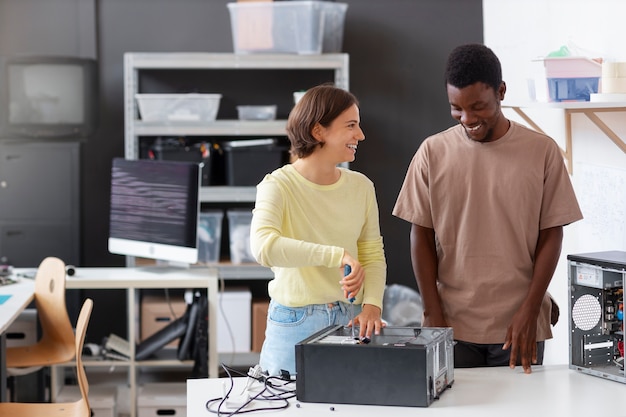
(272, 391)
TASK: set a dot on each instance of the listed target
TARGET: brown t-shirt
(487, 203)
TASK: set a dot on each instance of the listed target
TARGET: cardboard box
(259, 321)
(156, 314)
(162, 399)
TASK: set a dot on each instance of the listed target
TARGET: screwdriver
(346, 272)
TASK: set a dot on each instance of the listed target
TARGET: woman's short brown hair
(321, 104)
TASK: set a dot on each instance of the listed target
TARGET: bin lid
(250, 142)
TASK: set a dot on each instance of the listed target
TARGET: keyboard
(6, 280)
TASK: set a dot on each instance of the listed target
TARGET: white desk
(135, 278)
(21, 294)
(548, 391)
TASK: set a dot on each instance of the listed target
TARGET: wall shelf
(589, 109)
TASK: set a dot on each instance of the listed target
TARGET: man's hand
(521, 338)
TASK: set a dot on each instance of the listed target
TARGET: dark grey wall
(397, 53)
(397, 50)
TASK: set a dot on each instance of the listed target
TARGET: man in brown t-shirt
(487, 200)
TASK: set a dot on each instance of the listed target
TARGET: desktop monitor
(154, 210)
(47, 96)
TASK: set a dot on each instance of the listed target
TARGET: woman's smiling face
(343, 135)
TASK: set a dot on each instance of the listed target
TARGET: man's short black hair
(472, 63)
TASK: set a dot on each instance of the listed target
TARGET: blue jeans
(287, 326)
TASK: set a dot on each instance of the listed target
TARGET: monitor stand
(165, 267)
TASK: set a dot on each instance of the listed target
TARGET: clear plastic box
(239, 233)
(190, 107)
(257, 112)
(572, 78)
(303, 27)
(572, 89)
(209, 236)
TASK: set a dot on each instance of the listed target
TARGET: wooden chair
(78, 408)
(56, 344)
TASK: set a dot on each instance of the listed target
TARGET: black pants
(474, 355)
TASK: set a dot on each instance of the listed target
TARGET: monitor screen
(48, 96)
(154, 209)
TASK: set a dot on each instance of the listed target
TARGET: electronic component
(405, 366)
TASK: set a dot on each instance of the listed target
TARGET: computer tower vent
(586, 312)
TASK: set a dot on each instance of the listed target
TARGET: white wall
(520, 31)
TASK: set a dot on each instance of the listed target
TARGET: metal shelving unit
(332, 66)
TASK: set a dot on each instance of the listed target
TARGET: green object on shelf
(562, 51)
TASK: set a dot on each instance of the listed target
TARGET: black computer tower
(596, 312)
(403, 366)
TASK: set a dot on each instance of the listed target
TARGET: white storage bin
(257, 112)
(23, 331)
(234, 321)
(162, 399)
(102, 398)
(303, 27)
(209, 236)
(190, 107)
(239, 234)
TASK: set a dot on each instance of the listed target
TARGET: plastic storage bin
(572, 89)
(572, 78)
(23, 331)
(257, 112)
(209, 236)
(162, 399)
(303, 27)
(177, 149)
(102, 398)
(234, 320)
(239, 235)
(247, 161)
(178, 107)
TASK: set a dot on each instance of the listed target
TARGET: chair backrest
(57, 332)
(81, 331)
(57, 340)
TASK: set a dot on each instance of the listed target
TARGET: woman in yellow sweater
(311, 218)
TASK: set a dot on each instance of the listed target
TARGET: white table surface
(21, 294)
(553, 390)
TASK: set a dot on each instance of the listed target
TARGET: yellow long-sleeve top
(300, 229)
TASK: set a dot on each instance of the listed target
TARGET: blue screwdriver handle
(346, 271)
